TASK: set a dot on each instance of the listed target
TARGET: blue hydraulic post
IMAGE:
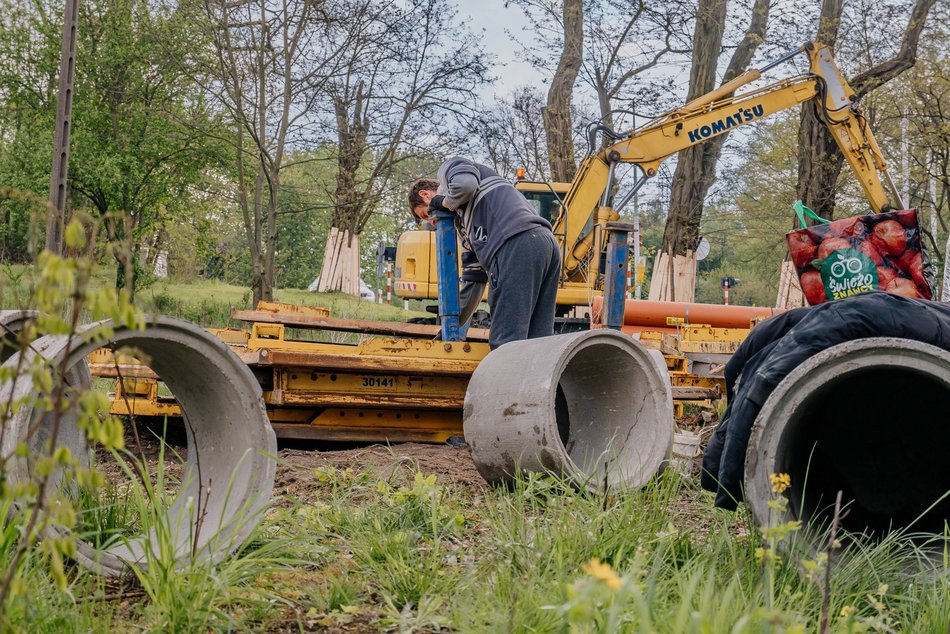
(615, 275)
(446, 247)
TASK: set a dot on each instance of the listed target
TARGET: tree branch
(865, 82)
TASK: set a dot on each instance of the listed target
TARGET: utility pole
(64, 111)
(905, 158)
(636, 227)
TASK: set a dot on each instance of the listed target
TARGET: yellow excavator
(580, 210)
(397, 383)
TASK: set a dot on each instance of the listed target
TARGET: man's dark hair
(423, 184)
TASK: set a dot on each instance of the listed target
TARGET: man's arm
(460, 178)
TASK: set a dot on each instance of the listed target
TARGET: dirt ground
(455, 465)
(449, 463)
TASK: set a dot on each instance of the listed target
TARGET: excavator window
(545, 204)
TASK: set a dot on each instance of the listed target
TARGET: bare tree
(624, 40)
(696, 166)
(610, 43)
(819, 159)
(930, 126)
(271, 59)
(405, 73)
(512, 134)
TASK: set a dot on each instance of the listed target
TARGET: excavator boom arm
(710, 116)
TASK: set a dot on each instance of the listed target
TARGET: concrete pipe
(866, 417)
(78, 378)
(594, 407)
(12, 323)
(230, 467)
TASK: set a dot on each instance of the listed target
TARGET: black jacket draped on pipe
(778, 345)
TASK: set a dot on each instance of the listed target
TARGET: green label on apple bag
(847, 272)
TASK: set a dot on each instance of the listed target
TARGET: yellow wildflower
(847, 611)
(603, 572)
(780, 482)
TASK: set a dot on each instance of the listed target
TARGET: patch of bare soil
(452, 465)
(297, 621)
(143, 445)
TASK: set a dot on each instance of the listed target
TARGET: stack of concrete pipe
(230, 464)
(867, 417)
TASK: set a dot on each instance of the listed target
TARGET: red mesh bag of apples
(841, 258)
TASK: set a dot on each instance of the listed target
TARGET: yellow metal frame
(380, 389)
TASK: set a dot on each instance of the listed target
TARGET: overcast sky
(492, 19)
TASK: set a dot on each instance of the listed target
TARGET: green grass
(418, 554)
(209, 302)
(415, 553)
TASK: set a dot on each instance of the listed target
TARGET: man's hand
(436, 204)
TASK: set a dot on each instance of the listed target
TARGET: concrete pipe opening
(229, 470)
(868, 418)
(12, 322)
(594, 407)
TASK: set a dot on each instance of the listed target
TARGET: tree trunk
(557, 113)
(257, 260)
(341, 263)
(819, 164)
(270, 244)
(250, 212)
(696, 166)
(341, 260)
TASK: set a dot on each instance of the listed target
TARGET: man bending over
(505, 244)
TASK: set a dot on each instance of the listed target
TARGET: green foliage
(747, 223)
(190, 595)
(142, 136)
(304, 217)
(41, 508)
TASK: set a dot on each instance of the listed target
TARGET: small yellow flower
(780, 482)
(603, 572)
(847, 611)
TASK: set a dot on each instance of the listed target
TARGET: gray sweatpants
(522, 287)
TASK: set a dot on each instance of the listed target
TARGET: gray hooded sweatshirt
(490, 211)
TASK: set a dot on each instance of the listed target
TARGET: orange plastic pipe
(653, 314)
